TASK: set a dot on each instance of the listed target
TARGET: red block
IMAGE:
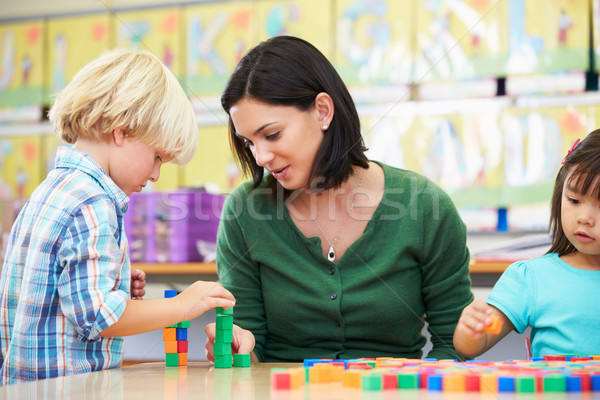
(586, 381)
(182, 346)
(555, 358)
(472, 383)
(423, 378)
(390, 381)
(280, 380)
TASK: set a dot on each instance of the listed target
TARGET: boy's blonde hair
(132, 90)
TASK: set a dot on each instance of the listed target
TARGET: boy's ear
(118, 136)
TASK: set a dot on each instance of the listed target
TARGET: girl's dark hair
(582, 167)
(289, 71)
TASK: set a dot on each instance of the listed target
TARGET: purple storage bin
(178, 226)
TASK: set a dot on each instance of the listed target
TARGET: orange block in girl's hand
(495, 327)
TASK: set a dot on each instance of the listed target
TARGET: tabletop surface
(199, 380)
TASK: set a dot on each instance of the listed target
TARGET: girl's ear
(325, 109)
(118, 136)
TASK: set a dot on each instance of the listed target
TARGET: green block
(223, 361)
(241, 360)
(408, 381)
(222, 349)
(372, 382)
(224, 321)
(525, 384)
(223, 311)
(555, 383)
(223, 336)
(183, 324)
(172, 359)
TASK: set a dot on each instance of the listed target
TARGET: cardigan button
(332, 271)
(333, 296)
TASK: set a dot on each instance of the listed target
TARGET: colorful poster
(308, 19)
(547, 36)
(156, 30)
(22, 68)
(213, 165)
(217, 36)
(596, 32)
(374, 41)
(72, 42)
(460, 39)
(21, 165)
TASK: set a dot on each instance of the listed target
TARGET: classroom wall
(483, 97)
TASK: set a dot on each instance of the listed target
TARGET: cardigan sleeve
(238, 272)
(444, 260)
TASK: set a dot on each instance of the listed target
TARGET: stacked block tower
(176, 341)
(223, 339)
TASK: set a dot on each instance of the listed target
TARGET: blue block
(573, 384)
(596, 383)
(434, 382)
(181, 333)
(506, 384)
(169, 293)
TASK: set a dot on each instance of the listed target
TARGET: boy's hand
(474, 319)
(138, 284)
(243, 342)
(202, 296)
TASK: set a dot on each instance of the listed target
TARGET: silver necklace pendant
(331, 254)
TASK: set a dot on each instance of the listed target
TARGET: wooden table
(200, 380)
(476, 266)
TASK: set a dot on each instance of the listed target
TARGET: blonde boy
(65, 285)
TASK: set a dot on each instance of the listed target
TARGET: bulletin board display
(309, 19)
(22, 64)
(457, 40)
(21, 164)
(217, 36)
(155, 30)
(373, 41)
(213, 164)
(71, 43)
(596, 32)
(547, 36)
(484, 158)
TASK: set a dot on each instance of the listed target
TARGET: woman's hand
(243, 342)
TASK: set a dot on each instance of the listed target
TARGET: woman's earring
(324, 127)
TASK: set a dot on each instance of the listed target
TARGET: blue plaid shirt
(66, 275)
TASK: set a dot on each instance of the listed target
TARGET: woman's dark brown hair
(289, 71)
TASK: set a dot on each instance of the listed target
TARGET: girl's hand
(474, 319)
(138, 284)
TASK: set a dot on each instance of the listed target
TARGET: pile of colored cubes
(223, 339)
(577, 373)
(176, 341)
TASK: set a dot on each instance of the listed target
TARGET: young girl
(554, 294)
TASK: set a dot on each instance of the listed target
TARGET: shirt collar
(68, 157)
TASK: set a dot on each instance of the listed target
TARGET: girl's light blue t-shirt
(560, 303)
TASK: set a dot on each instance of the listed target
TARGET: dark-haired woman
(328, 254)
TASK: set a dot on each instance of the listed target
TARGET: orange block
(321, 373)
(182, 358)
(169, 334)
(170, 346)
(488, 383)
(495, 327)
(297, 377)
(453, 383)
(353, 378)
